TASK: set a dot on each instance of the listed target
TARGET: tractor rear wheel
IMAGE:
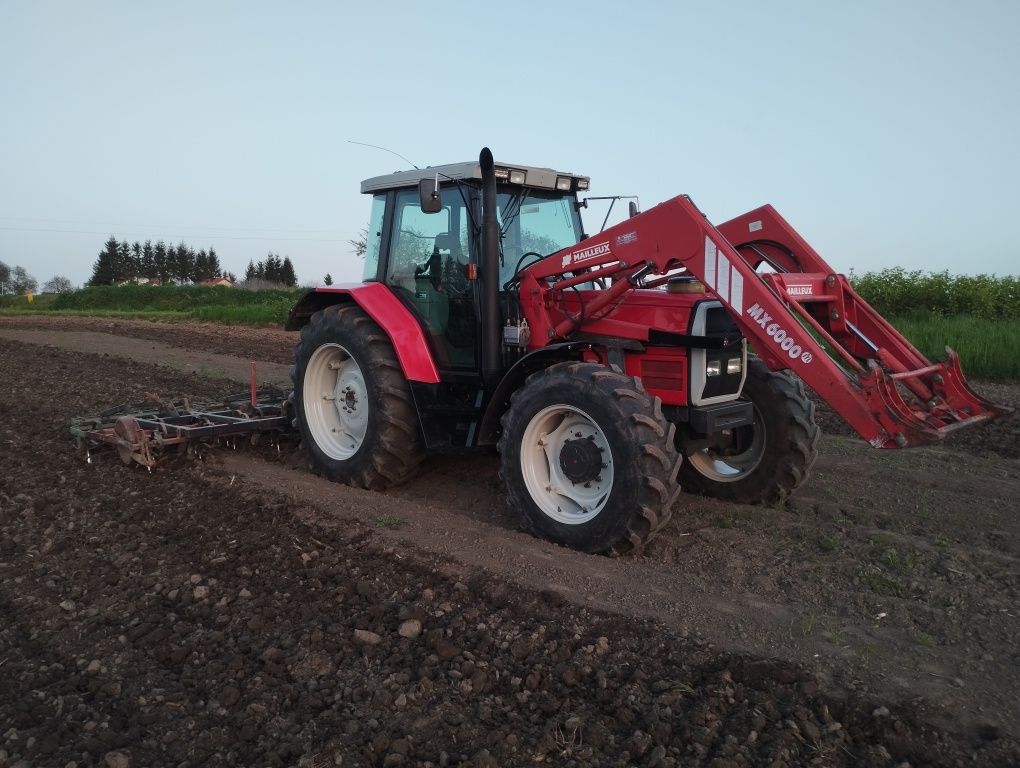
(764, 462)
(352, 403)
(588, 458)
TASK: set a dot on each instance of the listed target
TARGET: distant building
(141, 281)
(225, 281)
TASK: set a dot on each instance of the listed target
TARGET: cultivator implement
(148, 433)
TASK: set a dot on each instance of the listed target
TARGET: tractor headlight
(713, 367)
(563, 183)
(733, 365)
(582, 184)
(517, 177)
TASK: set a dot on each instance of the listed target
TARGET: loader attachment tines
(889, 392)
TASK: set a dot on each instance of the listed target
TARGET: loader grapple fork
(914, 400)
(803, 316)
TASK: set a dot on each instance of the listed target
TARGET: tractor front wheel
(761, 463)
(352, 403)
(588, 458)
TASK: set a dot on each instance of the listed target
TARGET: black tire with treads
(392, 448)
(787, 415)
(645, 458)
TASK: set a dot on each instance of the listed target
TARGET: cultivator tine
(133, 443)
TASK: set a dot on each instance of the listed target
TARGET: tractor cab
(424, 242)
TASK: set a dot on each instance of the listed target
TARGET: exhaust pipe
(492, 358)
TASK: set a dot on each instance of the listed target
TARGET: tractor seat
(449, 243)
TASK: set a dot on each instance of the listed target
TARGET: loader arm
(803, 316)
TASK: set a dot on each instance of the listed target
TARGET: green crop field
(977, 315)
(231, 306)
(987, 350)
(896, 292)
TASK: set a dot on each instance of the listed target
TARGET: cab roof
(542, 178)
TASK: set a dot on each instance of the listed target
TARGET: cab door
(427, 269)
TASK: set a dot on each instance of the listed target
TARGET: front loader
(609, 371)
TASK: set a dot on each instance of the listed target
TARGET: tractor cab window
(373, 238)
(427, 268)
(534, 221)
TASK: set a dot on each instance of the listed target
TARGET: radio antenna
(397, 154)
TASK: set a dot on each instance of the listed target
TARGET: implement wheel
(764, 462)
(588, 459)
(352, 403)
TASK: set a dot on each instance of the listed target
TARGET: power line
(161, 227)
(168, 236)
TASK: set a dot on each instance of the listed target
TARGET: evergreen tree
(249, 273)
(171, 263)
(327, 280)
(184, 263)
(136, 259)
(214, 263)
(148, 263)
(124, 271)
(190, 264)
(287, 274)
(201, 267)
(104, 271)
(161, 261)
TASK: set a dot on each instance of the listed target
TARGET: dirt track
(889, 582)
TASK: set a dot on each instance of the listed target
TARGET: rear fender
(387, 311)
(533, 362)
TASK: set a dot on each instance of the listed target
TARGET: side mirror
(428, 194)
(632, 205)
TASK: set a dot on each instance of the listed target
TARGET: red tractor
(609, 370)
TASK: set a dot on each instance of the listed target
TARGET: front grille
(711, 319)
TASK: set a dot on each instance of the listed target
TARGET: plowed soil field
(238, 610)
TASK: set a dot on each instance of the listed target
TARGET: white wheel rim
(561, 499)
(335, 401)
(728, 469)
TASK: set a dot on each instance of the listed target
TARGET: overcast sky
(888, 133)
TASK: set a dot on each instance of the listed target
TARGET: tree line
(18, 281)
(272, 269)
(122, 261)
